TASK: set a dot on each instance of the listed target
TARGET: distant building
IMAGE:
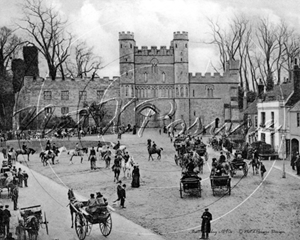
(145, 74)
(278, 114)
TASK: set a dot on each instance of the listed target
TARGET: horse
(27, 152)
(74, 205)
(255, 165)
(198, 161)
(116, 168)
(127, 166)
(45, 156)
(152, 151)
(79, 153)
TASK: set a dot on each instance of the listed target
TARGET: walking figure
(262, 170)
(205, 227)
(6, 219)
(15, 196)
(123, 196)
(119, 187)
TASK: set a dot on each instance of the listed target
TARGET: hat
(119, 181)
(99, 194)
(6, 206)
(206, 209)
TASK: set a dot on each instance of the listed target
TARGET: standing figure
(2, 229)
(107, 158)
(25, 178)
(205, 227)
(293, 160)
(123, 196)
(92, 158)
(262, 170)
(6, 219)
(20, 177)
(119, 187)
(15, 196)
(297, 164)
(135, 177)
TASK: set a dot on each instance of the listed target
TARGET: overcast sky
(154, 21)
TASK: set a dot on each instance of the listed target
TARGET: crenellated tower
(181, 74)
(127, 72)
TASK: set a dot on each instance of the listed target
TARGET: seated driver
(238, 158)
(77, 149)
(92, 204)
(101, 202)
(190, 167)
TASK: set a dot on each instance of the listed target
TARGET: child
(262, 170)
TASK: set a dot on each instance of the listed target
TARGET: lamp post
(283, 155)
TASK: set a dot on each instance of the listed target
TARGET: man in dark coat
(297, 163)
(119, 187)
(6, 219)
(294, 157)
(123, 195)
(205, 227)
(222, 158)
(92, 158)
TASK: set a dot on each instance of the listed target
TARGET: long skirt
(135, 181)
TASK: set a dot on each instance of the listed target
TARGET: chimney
(260, 88)
(30, 55)
(296, 78)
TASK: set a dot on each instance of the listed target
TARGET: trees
(82, 61)
(266, 50)
(47, 30)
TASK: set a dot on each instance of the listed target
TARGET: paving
(53, 199)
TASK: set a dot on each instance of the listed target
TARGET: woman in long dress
(135, 177)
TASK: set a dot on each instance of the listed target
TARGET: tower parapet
(126, 36)
(180, 36)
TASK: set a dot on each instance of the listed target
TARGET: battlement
(28, 80)
(144, 51)
(126, 35)
(209, 77)
(180, 36)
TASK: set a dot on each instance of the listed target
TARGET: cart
(220, 184)
(31, 221)
(84, 221)
(190, 183)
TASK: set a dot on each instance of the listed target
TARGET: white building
(276, 121)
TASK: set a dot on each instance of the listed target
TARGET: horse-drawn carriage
(190, 183)
(85, 220)
(238, 164)
(31, 221)
(5, 179)
(220, 183)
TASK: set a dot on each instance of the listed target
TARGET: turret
(126, 46)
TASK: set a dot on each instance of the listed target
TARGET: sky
(98, 22)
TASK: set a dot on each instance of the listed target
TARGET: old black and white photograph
(149, 119)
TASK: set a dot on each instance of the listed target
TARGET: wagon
(84, 221)
(31, 221)
(238, 166)
(220, 184)
(190, 183)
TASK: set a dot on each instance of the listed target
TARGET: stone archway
(295, 145)
(147, 110)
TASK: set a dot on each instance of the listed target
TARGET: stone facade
(163, 73)
(68, 96)
(158, 75)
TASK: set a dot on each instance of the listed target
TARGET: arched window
(193, 92)
(145, 77)
(186, 45)
(154, 67)
(176, 45)
(126, 91)
(163, 77)
(209, 91)
(121, 45)
(130, 45)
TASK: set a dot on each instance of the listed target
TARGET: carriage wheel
(180, 189)
(89, 228)
(46, 223)
(81, 226)
(105, 227)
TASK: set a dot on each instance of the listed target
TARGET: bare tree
(9, 46)
(47, 30)
(83, 61)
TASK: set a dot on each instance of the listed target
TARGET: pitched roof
(296, 107)
(283, 90)
(252, 108)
